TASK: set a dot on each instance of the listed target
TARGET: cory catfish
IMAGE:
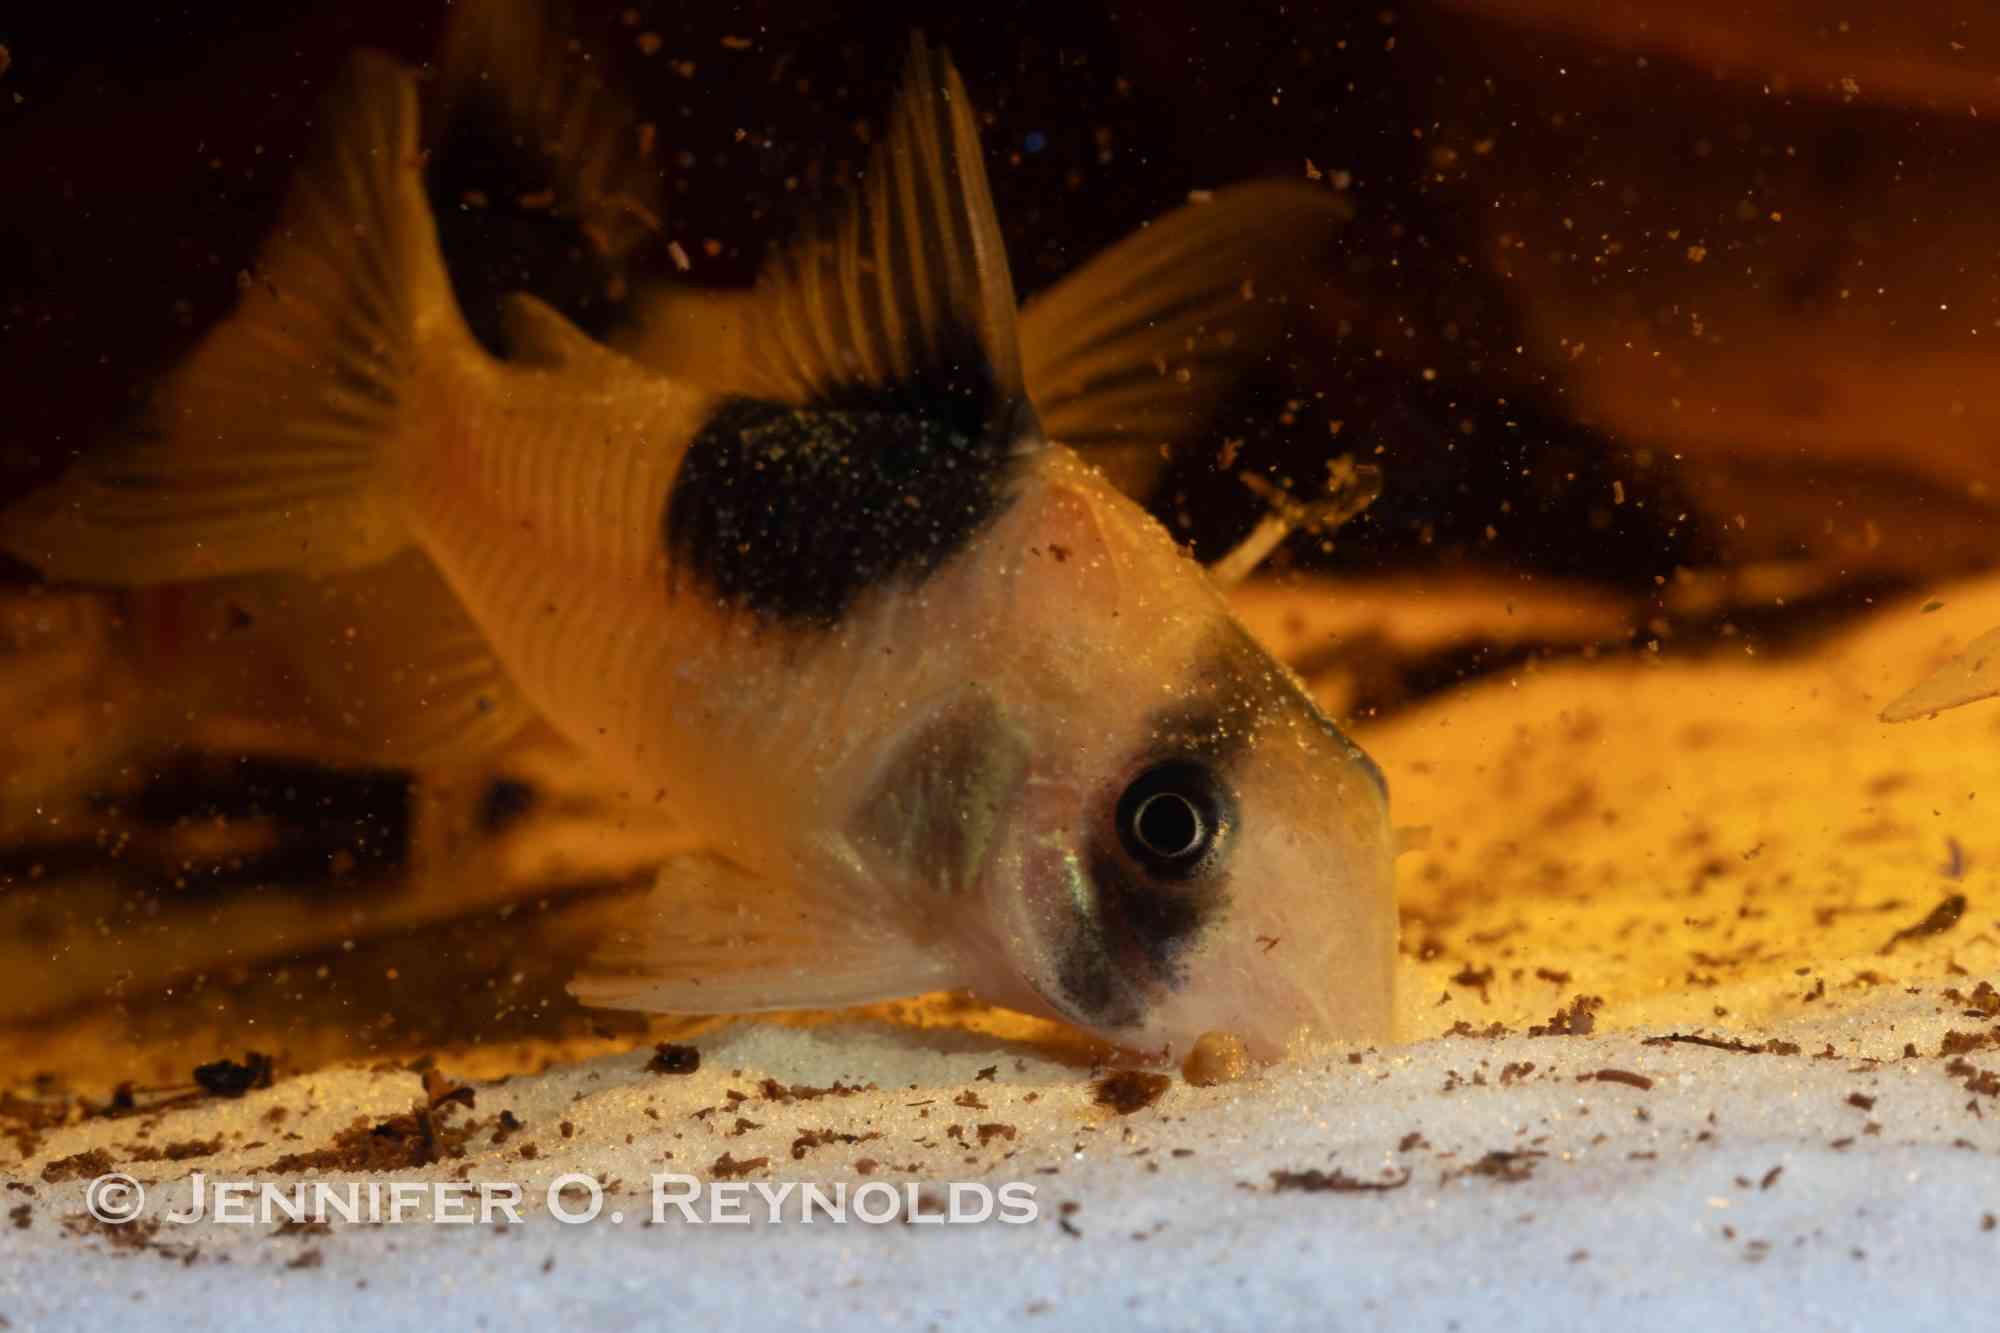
(832, 564)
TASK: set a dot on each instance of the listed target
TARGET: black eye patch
(1152, 920)
(1157, 861)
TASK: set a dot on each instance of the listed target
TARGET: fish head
(1195, 846)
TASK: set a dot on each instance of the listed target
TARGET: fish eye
(1172, 817)
(1168, 825)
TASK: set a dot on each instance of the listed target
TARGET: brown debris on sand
(1127, 1090)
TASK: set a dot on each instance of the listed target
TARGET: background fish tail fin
(267, 449)
(66, 721)
(1968, 678)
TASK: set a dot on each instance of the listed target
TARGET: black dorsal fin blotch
(792, 513)
(889, 334)
(954, 387)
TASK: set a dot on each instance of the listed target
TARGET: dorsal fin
(908, 292)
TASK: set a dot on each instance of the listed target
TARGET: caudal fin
(267, 450)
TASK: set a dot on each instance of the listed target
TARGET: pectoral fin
(714, 938)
